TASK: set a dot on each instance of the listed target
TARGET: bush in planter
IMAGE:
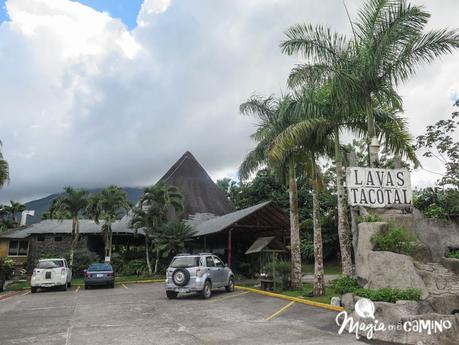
(454, 254)
(389, 295)
(82, 258)
(134, 267)
(6, 267)
(396, 239)
(344, 285)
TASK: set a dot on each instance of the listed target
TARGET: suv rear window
(50, 264)
(185, 261)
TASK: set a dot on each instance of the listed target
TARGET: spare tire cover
(181, 276)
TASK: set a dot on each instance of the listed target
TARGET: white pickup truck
(50, 273)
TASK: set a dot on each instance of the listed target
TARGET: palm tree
(14, 208)
(107, 205)
(73, 201)
(160, 203)
(4, 170)
(387, 47)
(141, 220)
(172, 236)
(275, 115)
(323, 117)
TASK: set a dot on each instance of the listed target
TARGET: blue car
(99, 274)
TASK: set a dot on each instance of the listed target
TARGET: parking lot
(141, 314)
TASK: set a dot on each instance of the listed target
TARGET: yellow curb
(294, 299)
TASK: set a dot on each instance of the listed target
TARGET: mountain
(41, 205)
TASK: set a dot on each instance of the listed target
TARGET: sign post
(378, 188)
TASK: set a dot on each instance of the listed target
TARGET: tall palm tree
(4, 170)
(142, 220)
(73, 201)
(389, 43)
(108, 205)
(323, 117)
(274, 116)
(160, 202)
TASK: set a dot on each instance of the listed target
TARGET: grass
(330, 267)
(22, 285)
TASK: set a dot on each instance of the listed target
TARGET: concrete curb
(294, 299)
(8, 295)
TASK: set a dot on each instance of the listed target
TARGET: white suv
(50, 273)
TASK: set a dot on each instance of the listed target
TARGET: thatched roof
(201, 194)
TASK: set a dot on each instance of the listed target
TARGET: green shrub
(344, 285)
(82, 258)
(6, 267)
(389, 295)
(396, 239)
(136, 266)
(371, 218)
(454, 254)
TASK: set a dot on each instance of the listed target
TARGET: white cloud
(87, 102)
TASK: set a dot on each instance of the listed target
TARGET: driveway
(140, 314)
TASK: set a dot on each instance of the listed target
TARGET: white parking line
(124, 286)
(25, 293)
(77, 289)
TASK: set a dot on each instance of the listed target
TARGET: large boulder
(378, 269)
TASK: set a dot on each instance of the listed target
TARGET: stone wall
(40, 245)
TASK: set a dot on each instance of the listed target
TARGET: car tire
(33, 289)
(64, 287)
(86, 287)
(171, 294)
(112, 285)
(69, 284)
(181, 276)
(230, 286)
(207, 290)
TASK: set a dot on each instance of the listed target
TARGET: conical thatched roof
(200, 193)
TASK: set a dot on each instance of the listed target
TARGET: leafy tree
(14, 208)
(107, 206)
(73, 201)
(4, 170)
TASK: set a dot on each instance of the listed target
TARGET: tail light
(110, 274)
(63, 271)
(87, 275)
(34, 273)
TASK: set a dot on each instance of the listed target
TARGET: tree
(275, 115)
(387, 47)
(4, 170)
(108, 205)
(172, 236)
(73, 201)
(14, 208)
(160, 203)
(142, 220)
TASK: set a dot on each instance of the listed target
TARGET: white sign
(378, 188)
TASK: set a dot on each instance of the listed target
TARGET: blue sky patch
(126, 10)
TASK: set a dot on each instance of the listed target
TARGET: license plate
(99, 275)
(48, 275)
(182, 290)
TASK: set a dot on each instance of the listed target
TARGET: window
(218, 262)
(185, 261)
(58, 238)
(50, 263)
(209, 261)
(40, 238)
(18, 248)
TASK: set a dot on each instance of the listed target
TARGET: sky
(99, 92)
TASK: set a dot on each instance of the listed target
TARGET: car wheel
(171, 294)
(33, 289)
(86, 287)
(207, 291)
(64, 287)
(69, 284)
(112, 285)
(230, 286)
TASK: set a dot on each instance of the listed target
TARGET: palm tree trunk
(294, 228)
(156, 259)
(372, 138)
(343, 223)
(75, 238)
(147, 255)
(110, 242)
(319, 284)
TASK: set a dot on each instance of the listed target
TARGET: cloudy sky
(97, 92)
